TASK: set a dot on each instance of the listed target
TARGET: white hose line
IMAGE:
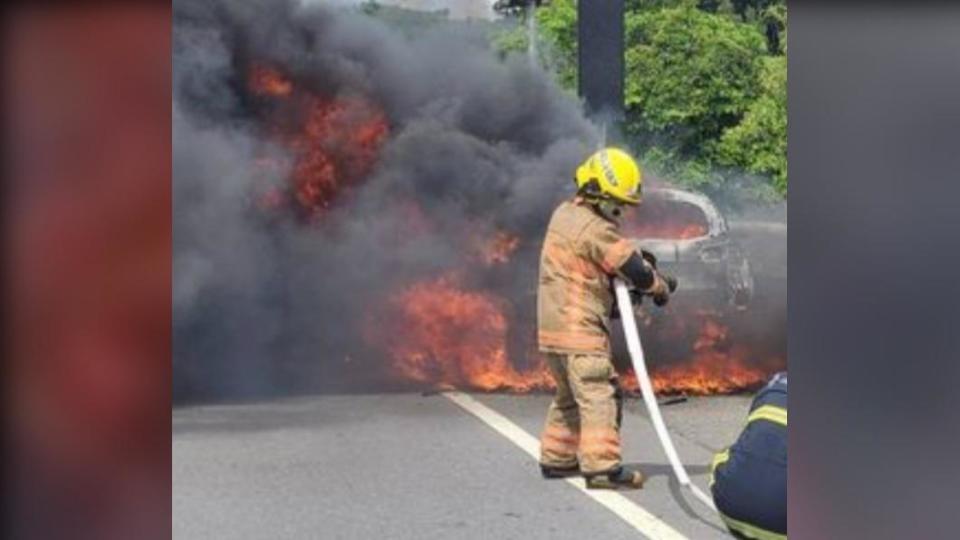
(640, 368)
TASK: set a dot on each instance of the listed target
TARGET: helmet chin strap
(609, 209)
(606, 207)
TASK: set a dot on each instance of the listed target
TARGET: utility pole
(600, 69)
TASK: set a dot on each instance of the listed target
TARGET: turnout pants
(583, 422)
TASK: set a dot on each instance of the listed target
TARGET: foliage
(749, 10)
(705, 84)
(769, 16)
(409, 22)
(776, 15)
(557, 31)
(510, 41)
(693, 173)
(690, 72)
(635, 6)
(556, 40)
(759, 142)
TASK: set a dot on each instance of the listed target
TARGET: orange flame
(499, 249)
(266, 81)
(715, 366)
(667, 220)
(450, 336)
(708, 374)
(443, 333)
(338, 145)
(335, 142)
(447, 336)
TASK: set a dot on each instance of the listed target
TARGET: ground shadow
(679, 494)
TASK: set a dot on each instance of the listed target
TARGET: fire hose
(625, 306)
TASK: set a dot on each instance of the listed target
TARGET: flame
(447, 336)
(335, 142)
(267, 81)
(661, 219)
(442, 332)
(708, 374)
(338, 146)
(452, 336)
(499, 249)
(715, 366)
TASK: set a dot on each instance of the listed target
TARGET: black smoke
(264, 305)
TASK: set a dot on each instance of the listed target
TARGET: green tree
(690, 74)
(759, 143)
(705, 83)
(557, 32)
(556, 40)
(769, 16)
(775, 27)
(648, 5)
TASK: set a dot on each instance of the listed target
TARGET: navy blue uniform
(749, 479)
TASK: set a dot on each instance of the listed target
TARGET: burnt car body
(691, 240)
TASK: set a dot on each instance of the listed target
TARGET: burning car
(691, 241)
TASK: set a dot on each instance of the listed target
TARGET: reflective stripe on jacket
(574, 298)
(749, 479)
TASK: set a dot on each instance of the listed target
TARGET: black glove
(661, 299)
(671, 282)
(662, 290)
(649, 257)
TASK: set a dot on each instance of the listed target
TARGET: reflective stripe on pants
(584, 410)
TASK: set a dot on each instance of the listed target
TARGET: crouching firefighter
(582, 251)
(749, 479)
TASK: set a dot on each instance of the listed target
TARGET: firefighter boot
(550, 472)
(621, 478)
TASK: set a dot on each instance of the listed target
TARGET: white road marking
(635, 515)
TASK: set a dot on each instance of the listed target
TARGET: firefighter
(749, 479)
(582, 251)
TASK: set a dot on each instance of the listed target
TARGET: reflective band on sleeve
(751, 531)
(718, 460)
(771, 413)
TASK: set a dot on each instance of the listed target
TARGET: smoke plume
(268, 302)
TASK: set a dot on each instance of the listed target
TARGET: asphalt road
(411, 466)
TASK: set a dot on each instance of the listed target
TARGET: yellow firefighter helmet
(614, 173)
